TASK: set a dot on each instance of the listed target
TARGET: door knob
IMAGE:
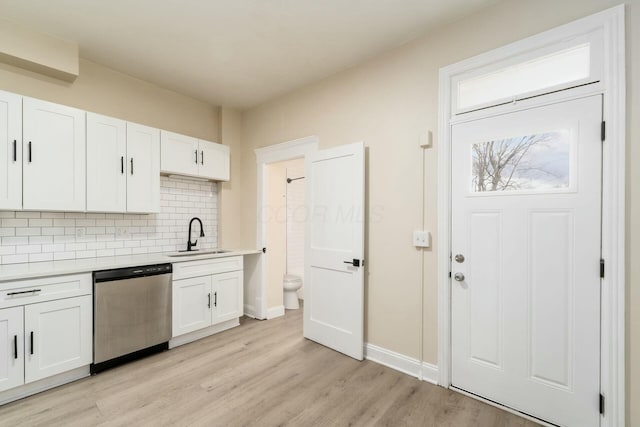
(459, 277)
(459, 258)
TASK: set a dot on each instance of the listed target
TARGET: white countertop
(31, 270)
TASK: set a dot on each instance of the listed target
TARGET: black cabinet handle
(196, 157)
(215, 299)
(132, 166)
(15, 346)
(122, 165)
(31, 342)
(15, 151)
(209, 300)
(31, 291)
(202, 157)
(29, 151)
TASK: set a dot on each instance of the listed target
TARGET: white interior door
(334, 249)
(526, 200)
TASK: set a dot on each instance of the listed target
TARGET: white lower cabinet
(41, 336)
(206, 300)
(58, 337)
(12, 346)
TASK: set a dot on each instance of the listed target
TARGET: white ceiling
(235, 53)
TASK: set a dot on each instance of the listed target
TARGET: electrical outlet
(80, 232)
(421, 239)
(122, 232)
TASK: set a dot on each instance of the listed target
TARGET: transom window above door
(562, 65)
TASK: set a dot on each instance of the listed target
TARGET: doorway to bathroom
(284, 217)
(280, 228)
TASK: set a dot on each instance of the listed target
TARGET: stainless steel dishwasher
(132, 314)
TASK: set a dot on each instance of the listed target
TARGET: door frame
(289, 150)
(612, 86)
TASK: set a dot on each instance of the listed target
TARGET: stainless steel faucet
(189, 244)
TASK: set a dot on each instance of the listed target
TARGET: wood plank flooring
(262, 373)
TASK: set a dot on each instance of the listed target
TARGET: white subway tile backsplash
(46, 236)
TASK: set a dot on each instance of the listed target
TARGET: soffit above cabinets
(237, 53)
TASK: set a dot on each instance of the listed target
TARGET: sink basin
(197, 252)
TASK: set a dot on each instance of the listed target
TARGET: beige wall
(105, 91)
(387, 102)
(230, 206)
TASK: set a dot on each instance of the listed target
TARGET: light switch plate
(421, 239)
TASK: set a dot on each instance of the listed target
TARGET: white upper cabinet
(53, 157)
(185, 155)
(214, 160)
(10, 151)
(143, 162)
(106, 164)
(180, 154)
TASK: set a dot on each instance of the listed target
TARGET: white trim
(250, 311)
(611, 22)
(298, 148)
(504, 408)
(43, 384)
(203, 333)
(274, 312)
(430, 373)
(393, 360)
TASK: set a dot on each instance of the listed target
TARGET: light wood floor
(258, 374)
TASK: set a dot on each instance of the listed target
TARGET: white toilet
(291, 285)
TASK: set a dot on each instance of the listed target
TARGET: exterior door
(58, 336)
(106, 164)
(11, 348)
(53, 157)
(10, 151)
(192, 302)
(143, 181)
(334, 249)
(526, 200)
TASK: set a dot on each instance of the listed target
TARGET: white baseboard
(42, 385)
(405, 364)
(274, 312)
(202, 333)
(250, 311)
(430, 373)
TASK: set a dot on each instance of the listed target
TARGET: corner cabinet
(185, 155)
(207, 293)
(45, 330)
(123, 166)
(53, 157)
(10, 151)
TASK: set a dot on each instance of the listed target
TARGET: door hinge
(601, 404)
(602, 269)
(264, 250)
(603, 130)
(449, 275)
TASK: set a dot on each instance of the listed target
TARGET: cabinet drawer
(183, 270)
(44, 289)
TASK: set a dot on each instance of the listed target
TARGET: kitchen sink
(197, 252)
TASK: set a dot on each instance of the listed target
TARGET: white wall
(295, 220)
(48, 236)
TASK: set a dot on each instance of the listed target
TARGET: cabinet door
(214, 161)
(106, 164)
(143, 178)
(227, 296)
(11, 348)
(53, 157)
(58, 336)
(10, 151)
(192, 302)
(179, 154)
